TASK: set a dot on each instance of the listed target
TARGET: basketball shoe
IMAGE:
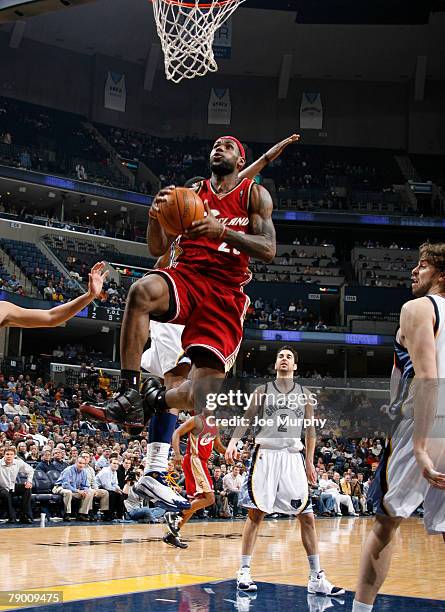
(320, 585)
(175, 541)
(129, 407)
(244, 580)
(173, 521)
(153, 485)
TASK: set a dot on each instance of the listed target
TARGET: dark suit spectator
(45, 465)
(123, 471)
(57, 464)
(220, 508)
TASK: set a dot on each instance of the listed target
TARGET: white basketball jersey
(439, 309)
(439, 332)
(402, 396)
(281, 418)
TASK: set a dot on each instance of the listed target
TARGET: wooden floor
(75, 555)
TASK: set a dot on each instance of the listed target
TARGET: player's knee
(143, 294)
(386, 526)
(256, 516)
(307, 519)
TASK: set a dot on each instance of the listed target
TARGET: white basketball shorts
(399, 487)
(276, 482)
(165, 351)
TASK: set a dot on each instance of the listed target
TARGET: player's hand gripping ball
(176, 209)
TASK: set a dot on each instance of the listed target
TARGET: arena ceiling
(125, 30)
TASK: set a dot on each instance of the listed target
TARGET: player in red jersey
(202, 289)
(203, 437)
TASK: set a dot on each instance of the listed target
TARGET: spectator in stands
(45, 464)
(342, 498)
(22, 408)
(73, 455)
(73, 482)
(39, 438)
(58, 464)
(232, 484)
(103, 458)
(25, 159)
(13, 283)
(123, 470)
(220, 509)
(327, 494)
(21, 451)
(4, 423)
(81, 172)
(345, 488)
(101, 494)
(358, 497)
(48, 291)
(10, 409)
(107, 479)
(10, 467)
(32, 456)
(321, 326)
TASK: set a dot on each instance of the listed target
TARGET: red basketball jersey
(218, 259)
(202, 444)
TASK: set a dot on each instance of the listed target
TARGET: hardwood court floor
(103, 560)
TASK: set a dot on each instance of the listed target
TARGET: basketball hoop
(187, 30)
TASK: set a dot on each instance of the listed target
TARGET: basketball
(181, 208)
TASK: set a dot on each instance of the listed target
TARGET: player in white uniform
(278, 476)
(412, 469)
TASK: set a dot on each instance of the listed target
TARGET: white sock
(314, 564)
(157, 457)
(361, 607)
(245, 560)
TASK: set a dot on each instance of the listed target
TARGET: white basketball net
(187, 30)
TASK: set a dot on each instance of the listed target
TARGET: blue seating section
(27, 256)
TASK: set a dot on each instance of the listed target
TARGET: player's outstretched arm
(274, 152)
(417, 334)
(14, 316)
(158, 240)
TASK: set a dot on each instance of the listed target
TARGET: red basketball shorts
(197, 476)
(213, 314)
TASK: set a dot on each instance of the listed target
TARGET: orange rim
(193, 4)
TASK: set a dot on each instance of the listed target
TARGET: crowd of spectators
(269, 314)
(46, 140)
(92, 470)
(120, 226)
(10, 282)
(306, 177)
